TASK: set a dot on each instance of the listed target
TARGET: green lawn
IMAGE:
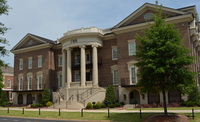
(169, 108)
(128, 117)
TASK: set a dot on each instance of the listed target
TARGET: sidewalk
(117, 110)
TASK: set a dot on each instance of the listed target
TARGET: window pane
(114, 53)
(133, 75)
(115, 75)
(132, 49)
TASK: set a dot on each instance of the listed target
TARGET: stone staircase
(80, 100)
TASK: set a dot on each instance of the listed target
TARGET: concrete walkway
(115, 110)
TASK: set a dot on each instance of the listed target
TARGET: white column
(83, 71)
(63, 68)
(95, 64)
(69, 72)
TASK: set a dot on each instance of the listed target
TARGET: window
(8, 83)
(133, 75)
(131, 47)
(39, 82)
(20, 64)
(39, 61)
(77, 76)
(115, 77)
(20, 83)
(30, 63)
(30, 83)
(60, 61)
(114, 53)
(77, 58)
(60, 80)
(87, 58)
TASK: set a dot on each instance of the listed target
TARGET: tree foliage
(45, 96)
(163, 60)
(3, 11)
(110, 96)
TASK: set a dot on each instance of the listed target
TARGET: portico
(83, 39)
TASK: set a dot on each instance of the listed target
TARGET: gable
(28, 43)
(31, 40)
(144, 11)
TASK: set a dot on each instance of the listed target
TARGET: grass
(168, 108)
(126, 117)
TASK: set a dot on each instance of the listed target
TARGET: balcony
(88, 64)
(29, 88)
(125, 82)
(84, 30)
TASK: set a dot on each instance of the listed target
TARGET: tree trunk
(164, 102)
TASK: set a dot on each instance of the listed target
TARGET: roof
(7, 70)
(44, 39)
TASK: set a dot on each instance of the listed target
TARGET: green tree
(45, 96)
(163, 60)
(110, 96)
(3, 11)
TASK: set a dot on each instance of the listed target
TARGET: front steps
(78, 97)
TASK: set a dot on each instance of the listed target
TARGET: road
(15, 119)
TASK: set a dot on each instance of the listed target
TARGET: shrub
(45, 96)
(111, 106)
(97, 105)
(89, 105)
(103, 106)
(117, 104)
(49, 103)
(122, 103)
(36, 105)
(110, 96)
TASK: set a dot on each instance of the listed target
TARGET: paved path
(103, 111)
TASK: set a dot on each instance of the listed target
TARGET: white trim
(39, 61)
(21, 64)
(130, 42)
(30, 76)
(114, 48)
(60, 61)
(7, 84)
(113, 72)
(20, 78)
(30, 61)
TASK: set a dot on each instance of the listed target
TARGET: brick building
(8, 76)
(78, 66)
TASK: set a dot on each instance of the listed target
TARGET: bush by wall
(89, 105)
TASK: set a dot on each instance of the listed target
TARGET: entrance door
(39, 98)
(134, 97)
(29, 99)
(20, 99)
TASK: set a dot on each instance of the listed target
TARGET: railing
(89, 92)
(69, 101)
(125, 81)
(88, 64)
(83, 30)
(58, 100)
(28, 87)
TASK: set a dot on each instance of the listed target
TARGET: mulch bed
(169, 118)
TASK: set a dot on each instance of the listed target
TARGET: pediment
(142, 14)
(29, 40)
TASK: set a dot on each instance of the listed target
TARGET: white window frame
(77, 79)
(113, 69)
(60, 61)
(30, 81)
(130, 75)
(20, 64)
(40, 61)
(39, 80)
(115, 80)
(8, 84)
(20, 80)
(59, 75)
(130, 48)
(30, 63)
(114, 53)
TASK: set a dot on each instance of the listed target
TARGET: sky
(52, 18)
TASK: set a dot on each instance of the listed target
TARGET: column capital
(63, 51)
(68, 48)
(82, 46)
(95, 45)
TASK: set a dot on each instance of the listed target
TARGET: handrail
(69, 101)
(81, 97)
